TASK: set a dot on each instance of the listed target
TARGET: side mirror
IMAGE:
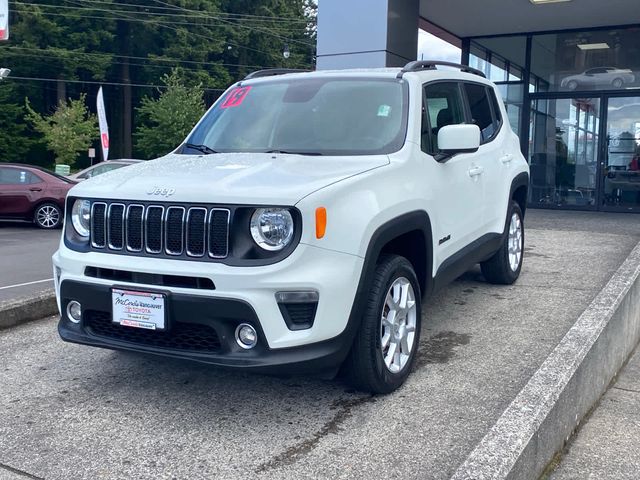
(453, 139)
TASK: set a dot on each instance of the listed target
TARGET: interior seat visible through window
(442, 106)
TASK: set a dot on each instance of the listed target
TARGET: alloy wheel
(515, 242)
(398, 326)
(48, 216)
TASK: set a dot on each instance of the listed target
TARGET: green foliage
(165, 122)
(69, 130)
(14, 143)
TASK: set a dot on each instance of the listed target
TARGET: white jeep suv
(300, 225)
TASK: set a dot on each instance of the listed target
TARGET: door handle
(507, 159)
(35, 189)
(475, 171)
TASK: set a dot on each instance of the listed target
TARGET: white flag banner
(4, 19)
(104, 127)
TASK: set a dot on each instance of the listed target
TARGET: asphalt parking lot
(25, 259)
(68, 411)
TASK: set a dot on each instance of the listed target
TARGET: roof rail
(432, 64)
(269, 72)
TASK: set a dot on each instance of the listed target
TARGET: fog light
(74, 311)
(303, 296)
(246, 336)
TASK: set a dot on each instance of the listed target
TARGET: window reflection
(578, 61)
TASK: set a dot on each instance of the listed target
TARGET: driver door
(457, 182)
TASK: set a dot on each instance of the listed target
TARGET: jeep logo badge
(165, 192)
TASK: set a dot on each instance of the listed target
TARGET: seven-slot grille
(158, 229)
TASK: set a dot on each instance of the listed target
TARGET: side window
(480, 109)
(441, 106)
(4, 176)
(33, 178)
(15, 176)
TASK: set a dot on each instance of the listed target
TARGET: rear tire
(505, 265)
(48, 216)
(384, 350)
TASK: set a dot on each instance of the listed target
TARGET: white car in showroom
(601, 77)
(301, 224)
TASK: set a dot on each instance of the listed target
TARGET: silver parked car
(101, 168)
(599, 77)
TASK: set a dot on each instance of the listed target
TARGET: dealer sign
(4, 19)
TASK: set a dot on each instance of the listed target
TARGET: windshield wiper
(291, 152)
(200, 148)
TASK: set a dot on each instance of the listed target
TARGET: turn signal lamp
(321, 222)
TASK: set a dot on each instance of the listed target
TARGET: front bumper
(200, 329)
(241, 294)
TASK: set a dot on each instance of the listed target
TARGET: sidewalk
(608, 446)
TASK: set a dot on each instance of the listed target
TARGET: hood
(232, 178)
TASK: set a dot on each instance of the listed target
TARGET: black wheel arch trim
(520, 180)
(408, 222)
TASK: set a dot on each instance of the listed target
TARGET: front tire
(385, 346)
(505, 265)
(48, 216)
(618, 83)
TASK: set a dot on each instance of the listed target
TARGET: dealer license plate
(138, 309)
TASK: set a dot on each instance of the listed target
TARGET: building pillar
(367, 33)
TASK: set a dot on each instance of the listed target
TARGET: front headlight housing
(81, 217)
(272, 228)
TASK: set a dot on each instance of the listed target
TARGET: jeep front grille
(172, 230)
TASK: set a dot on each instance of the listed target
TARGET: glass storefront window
(622, 167)
(592, 60)
(515, 74)
(513, 49)
(502, 60)
(572, 165)
(478, 59)
(497, 70)
(512, 95)
(563, 156)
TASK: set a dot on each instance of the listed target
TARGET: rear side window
(442, 106)
(480, 100)
(16, 176)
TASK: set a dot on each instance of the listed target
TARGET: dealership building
(568, 71)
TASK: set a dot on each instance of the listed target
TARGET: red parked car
(33, 194)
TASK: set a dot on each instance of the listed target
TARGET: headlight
(272, 228)
(81, 217)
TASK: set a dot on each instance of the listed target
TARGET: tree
(14, 143)
(69, 130)
(165, 122)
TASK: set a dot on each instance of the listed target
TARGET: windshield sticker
(384, 110)
(236, 97)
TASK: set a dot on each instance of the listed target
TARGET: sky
(434, 48)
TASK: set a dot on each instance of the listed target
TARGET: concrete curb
(25, 310)
(570, 381)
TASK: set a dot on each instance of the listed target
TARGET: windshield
(313, 116)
